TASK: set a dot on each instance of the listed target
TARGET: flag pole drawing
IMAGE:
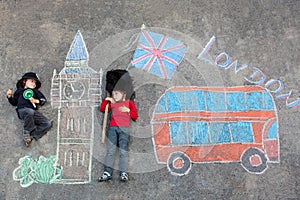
(158, 54)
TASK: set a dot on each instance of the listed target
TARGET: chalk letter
(206, 50)
(226, 62)
(236, 70)
(271, 82)
(287, 96)
(255, 75)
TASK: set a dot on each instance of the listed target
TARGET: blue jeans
(117, 135)
(35, 123)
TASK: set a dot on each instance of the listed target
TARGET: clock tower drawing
(76, 92)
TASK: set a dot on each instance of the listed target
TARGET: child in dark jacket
(26, 98)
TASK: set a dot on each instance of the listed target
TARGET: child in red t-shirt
(123, 110)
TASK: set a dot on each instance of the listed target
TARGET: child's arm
(103, 105)
(133, 111)
(41, 99)
(12, 99)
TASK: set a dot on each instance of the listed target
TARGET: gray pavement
(262, 35)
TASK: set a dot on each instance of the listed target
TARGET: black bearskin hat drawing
(121, 80)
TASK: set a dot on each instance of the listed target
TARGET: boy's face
(30, 83)
(118, 95)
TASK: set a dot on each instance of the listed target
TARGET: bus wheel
(179, 163)
(254, 160)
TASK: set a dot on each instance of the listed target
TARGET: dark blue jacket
(18, 100)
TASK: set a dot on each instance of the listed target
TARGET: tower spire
(78, 49)
(77, 57)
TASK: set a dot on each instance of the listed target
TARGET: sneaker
(105, 177)
(124, 177)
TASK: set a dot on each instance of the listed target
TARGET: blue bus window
(215, 101)
(198, 133)
(272, 132)
(219, 132)
(235, 101)
(178, 133)
(195, 100)
(175, 101)
(241, 132)
(269, 105)
(254, 101)
(161, 106)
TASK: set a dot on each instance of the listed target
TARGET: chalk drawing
(224, 61)
(158, 54)
(44, 170)
(204, 125)
(273, 82)
(206, 49)
(76, 93)
(287, 97)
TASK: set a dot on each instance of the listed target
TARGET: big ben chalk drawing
(75, 92)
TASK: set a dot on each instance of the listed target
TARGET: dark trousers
(35, 123)
(117, 135)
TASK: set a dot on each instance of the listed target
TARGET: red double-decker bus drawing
(206, 125)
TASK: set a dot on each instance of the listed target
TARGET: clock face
(74, 90)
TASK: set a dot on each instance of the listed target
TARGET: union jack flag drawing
(158, 54)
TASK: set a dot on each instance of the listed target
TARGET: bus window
(175, 101)
(195, 100)
(272, 132)
(178, 133)
(198, 133)
(219, 132)
(241, 132)
(254, 101)
(269, 105)
(235, 101)
(215, 101)
(161, 106)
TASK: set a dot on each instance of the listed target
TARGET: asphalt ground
(264, 35)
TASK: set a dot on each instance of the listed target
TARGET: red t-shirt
(119, 118)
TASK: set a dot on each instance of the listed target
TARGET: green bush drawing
(43, 170)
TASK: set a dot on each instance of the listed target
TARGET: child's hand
(9, 93)
(33, 100)
(110, 99)
(124, 109)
